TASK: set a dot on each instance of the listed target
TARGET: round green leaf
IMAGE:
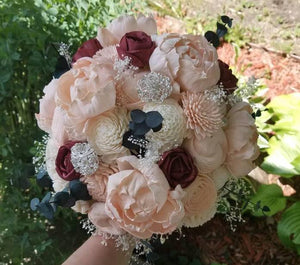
(270, 200)
(288, 228)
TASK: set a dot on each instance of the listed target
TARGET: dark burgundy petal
(87, 49)
(178, 167)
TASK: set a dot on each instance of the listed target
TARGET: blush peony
(86, 91)
(189, 60)
(139, 200)
(102, 221)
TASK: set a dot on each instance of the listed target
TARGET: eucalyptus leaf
(46, 210)
(47, 197)
(141, 129)
(79, 190)
(64, 199)
(221, 30)
(41, 173)
(34, 203)
(153, 119)
(212, 37)
(138, 116)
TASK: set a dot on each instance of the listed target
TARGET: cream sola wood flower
(105, 134)
(204, 115)
(199, 201)
(173, 129)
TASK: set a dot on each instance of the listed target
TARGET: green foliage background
(27, 61)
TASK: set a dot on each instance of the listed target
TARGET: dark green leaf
(212, 38)
(288, 227)
(269, 196)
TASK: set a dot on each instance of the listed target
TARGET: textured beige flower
(96, 183)
(220, 176)
(199, 201)
(82, 206)
(208, 153)
(105, 133)
(242, 137)
(173, 128)
(203, 115)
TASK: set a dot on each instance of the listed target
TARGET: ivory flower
(220, 176)
(199, 201)
(242, 137)
(51, 153)
(173, 128)
(105, 133)
(139, 200)
(189, 60)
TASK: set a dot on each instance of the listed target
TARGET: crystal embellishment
(84, 159)
(154, 87)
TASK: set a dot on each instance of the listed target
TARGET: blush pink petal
(188, 60)
(103, 223)
(86, 91)
(47, 106)
(58, 129)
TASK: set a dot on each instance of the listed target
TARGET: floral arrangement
(144, 131)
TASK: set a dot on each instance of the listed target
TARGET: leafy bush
(279, 124)
(27, 61)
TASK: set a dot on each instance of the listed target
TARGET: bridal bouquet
(144, 131)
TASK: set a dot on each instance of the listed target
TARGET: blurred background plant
(27, 61)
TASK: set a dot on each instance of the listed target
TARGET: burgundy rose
(227, 78)
(138, 46)
(87, 49)
(178, 167)
(64, 167)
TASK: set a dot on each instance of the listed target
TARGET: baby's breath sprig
(234, 199)
(39, 149)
